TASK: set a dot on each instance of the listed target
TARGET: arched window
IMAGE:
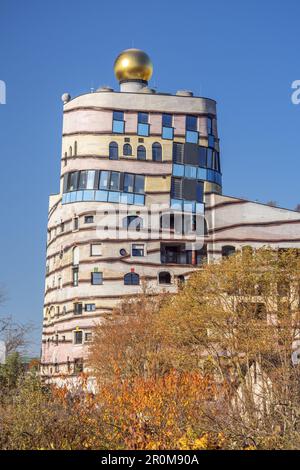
(75, 147)
(156, 152)
(228, 250)
(131, 279)
(127, 149)
(70, 151)
(141, 152)
(75, 256)
(164, 277)
(113, 151)
(133, 222)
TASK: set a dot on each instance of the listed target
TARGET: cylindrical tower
(136, 166)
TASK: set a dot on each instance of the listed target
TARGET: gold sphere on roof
(133, 64)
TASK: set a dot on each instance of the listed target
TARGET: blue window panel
(118, 127)
(113, 196)
(68, 197)
(79, 196)
(199, 192)
(199, 208)
(189, 206)
(201, 174)
(101, 196)
(63, 201)
(178, 170)
(191, 123)
(73, 196)
(176, 204)
(118, 115)
(143, 118)
(88, 195)
(190, 172)
(167, 120)
(143, 129)
(127, 198)
(211, 141)
(167, 133)
(210, 175)
(191, 137)
(139, 200)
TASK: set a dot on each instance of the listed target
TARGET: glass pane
(143, 118)
(113, 196)
(156, 152)
(176, 204)
(178, 150)
(103, 182)
(209, 158)
(73, 196)
(191, 123)
(167, 120)
(189, 206)
(88, 195)
(83, 180)
(190, 172)
(90, 179)
(141, 152)
(211, 141)
(191, 137)
(201, 174)
(199, 208)
(202, 156)
(113, 151)
(139, 200)
(167, 133)
(209, 125)
(118, 127)
(118, 115)
(199, 192)
(139, 184)
(143, 129)
(178, 170)
(128, 182)
(114, 181)
(79, 196)
(101, 196)
(127, 198)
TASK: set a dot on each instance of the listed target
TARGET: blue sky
(244, 54)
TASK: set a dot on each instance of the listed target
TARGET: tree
(239, 321)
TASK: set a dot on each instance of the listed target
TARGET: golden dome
(133, 64)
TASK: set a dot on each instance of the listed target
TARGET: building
(140, 199)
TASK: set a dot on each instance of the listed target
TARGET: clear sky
(244, 54)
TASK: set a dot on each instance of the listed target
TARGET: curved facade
(130, 161)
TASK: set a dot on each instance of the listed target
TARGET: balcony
(177, 254)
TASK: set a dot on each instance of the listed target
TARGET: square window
(139, 199)
(143, 129)
(88, 195)
(118, 127)
(191, 123)
(178, 170)
(78, 337)
(127, 198)
(96, 249)
(190, 172)
(168, 133)
(143, 118)
(118, 115)
(113, 196)
(138, 250)
(88, 219)
(96, 279)
(191, 137)
(87, 337)
(101, 196)
(167, 120)
(201, 173)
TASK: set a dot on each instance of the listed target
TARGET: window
(62, 227)
(86, 179)
(96, 279)
(164, 277)
(113, 151)
(104, 180)
(114, 183)
(167, 129)
(138, 250)
(88, 337)
(143, 126)
(156, 152)
(77, 308)
(71, 181)
(118, 122)
(75, 256)
(90, 307)
(202, 156)
(75, 276)
(131, 279)
(75, 223)
(139, 182)
(209, 123)
(88, 219)
(78, 365)
(128, 183)
(96, 249)
(78, 337)
(228, 250)
(178, 152)
(127, 149)
(133, 222)
(141, 152)
(191, 129)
